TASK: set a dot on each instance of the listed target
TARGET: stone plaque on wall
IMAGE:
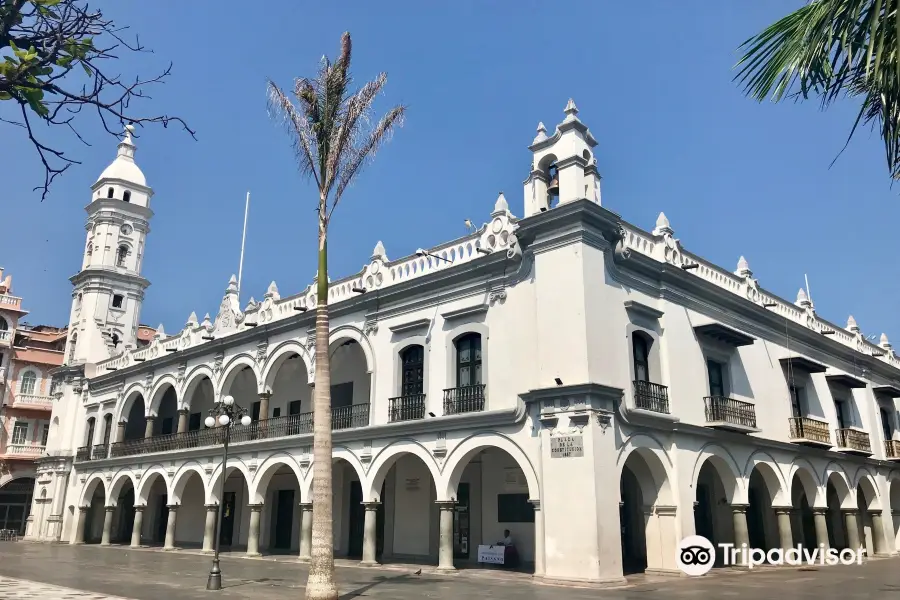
(566, 446)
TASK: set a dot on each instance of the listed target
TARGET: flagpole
(243, 240)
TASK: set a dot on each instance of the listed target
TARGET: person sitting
(510, 555)
(507, 539)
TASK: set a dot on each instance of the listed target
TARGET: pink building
(27, 355)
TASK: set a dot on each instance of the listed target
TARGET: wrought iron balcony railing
(852, 439)
(344, 417)
(721, 409)
(651, 396)
(407, 408)
(465, 399)
(814, 430)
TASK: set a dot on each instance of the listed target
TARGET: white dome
(124, 167)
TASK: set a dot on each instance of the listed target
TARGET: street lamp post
(226, 414)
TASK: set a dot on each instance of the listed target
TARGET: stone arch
(337, 453)
(146, 484)
(835, 475)
(768, 468)
(351, 332)
(865, 482)
(802, 471)
(129, 397)
(118, 482)
(726, 467)
(90, 486)
(656, 464)
(386, 458)
(181, 478)
(281, 353)
(159, 390)
(459, 457)
(212, 491)
(193, 379)
(265, 472)
(236, 365)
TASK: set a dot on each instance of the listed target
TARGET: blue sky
(653, 80)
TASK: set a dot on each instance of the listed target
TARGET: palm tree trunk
(320, 584)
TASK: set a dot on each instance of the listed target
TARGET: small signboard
(492, 555)
(566, 446)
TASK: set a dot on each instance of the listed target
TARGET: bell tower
(563, 167)
(109, 289)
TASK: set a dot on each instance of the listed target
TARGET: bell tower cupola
(109, 289)
(563, 167)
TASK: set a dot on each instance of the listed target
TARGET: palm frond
(298, 126)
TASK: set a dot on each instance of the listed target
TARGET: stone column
(182, 420)
(821, 522)
(148, 430)
(538, 538)
(264, 405)
(785, 533)
(209, 529)
(120, 431)
(79, 525)
(305, 531)
(107, 525)
(739, 519)
(445, 550)
(370, 533)
(878, 539)
(170, 527)
(851, 524)
(138, 526)
(253, 534)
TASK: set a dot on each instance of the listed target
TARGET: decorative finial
(541, 133)
(743, 268)
(501, 205)
(803, 299)
(379, 251)
(160, 332)
(272, 291)
(883, 342)
(232, 285)
(251, 304)
(571, 110)
(662, 225)
(192, 320)
(207, 322)
(851, 325)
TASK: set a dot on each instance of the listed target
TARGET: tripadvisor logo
(696, 555)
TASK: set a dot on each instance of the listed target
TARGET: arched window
(126, 197)
(640, 347)
(3, 324)
(72, 345)
(26, 385)
(110, 192)
(89, 433)
(412, 381)
(121, 255)
(468, 360)
(107, 428)
(90, 248)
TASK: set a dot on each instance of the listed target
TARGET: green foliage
(832, 49)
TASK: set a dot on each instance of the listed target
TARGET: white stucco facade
(593, 387)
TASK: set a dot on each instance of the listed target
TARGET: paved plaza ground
(62, 572)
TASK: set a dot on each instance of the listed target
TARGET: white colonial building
(593, 387)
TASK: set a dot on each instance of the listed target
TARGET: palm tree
(830, 49)
(334, 138)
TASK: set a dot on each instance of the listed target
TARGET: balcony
(465, 399)
(343, 417)
(24, 450)
(892, 449)
(5, 337)
(33, 401)
(407, 408)
(730, 414)
(10, 302)
(810, 432)
(853, 441)
(651, 396)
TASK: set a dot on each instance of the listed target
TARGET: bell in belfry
(553, 188)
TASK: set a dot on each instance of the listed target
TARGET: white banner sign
(494, 555)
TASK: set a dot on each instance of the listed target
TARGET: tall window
(107, 428)
(26, 386)
(20, 433)
(840, 407)
(797, 404)
(110, 192)
(468, 360)
(45, 434)
(117, 300)
(887, 424)
(412, 361)
(89, 434)
(3, 325)
(121, 255)
(716, 378)
(72, 347)
(641, 350)
(126, 196)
